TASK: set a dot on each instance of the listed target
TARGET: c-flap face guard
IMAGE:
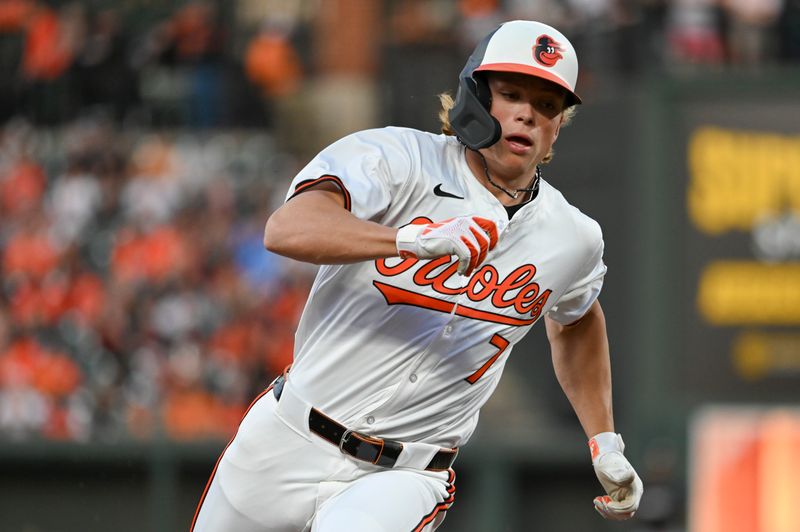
(470, 117)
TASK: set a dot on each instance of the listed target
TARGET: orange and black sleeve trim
(310, 183)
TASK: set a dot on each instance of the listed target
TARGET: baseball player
(438, 254)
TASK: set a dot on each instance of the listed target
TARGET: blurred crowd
(60, 58)
(620, 39)
(136, 294)
(141, 151)
(214, 63)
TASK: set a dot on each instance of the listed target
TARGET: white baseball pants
(276, 475)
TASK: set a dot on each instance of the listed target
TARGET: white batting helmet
(521, 46)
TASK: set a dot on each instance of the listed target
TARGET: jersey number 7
(500, 343)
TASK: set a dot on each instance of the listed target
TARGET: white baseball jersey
(408, 349)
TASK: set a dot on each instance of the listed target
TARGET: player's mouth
(519, 144)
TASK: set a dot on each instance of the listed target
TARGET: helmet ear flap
(470, 118)
(482, 91)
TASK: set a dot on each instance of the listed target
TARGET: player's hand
(623, 486)
(468, 237)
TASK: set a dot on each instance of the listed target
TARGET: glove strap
(605, 442)
(406, 240)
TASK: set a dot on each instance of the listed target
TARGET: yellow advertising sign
(750, 293)
(738, 178)
(749, 182)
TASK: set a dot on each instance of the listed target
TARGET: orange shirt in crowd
(272, 63)
(22, 187)
(154, 256)
(31, 253)
(193, 414)
(26, 362)
(13, 14)
(45, 57)
(36, 303)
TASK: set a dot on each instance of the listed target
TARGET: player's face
(529, 110)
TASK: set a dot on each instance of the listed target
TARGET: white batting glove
(616, 474)
(467, 237)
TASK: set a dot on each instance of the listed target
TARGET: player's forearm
(582, 364)
(314, 227)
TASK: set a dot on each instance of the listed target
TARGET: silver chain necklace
(514, 195)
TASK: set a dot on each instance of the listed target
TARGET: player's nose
(525, 115)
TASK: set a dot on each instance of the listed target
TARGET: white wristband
(605, 442)
(406, 240)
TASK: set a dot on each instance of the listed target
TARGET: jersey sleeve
(370, 167)
(581, 294)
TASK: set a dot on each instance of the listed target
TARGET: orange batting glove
(623, 486)
(467, 237)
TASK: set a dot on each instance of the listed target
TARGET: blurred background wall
(143, 145)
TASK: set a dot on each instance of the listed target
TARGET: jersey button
(413, 377)
(370, 420)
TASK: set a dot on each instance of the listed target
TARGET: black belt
(367, 448)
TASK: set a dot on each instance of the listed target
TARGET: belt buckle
(365, 448)
(344, 439)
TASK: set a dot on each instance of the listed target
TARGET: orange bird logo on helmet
(547, 51)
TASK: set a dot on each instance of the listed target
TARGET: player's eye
(549, 107)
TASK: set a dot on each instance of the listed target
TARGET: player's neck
(508, 191)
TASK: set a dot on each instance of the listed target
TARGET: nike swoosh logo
(439, 192)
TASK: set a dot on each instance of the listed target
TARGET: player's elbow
(277, 234)
(284, 236)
